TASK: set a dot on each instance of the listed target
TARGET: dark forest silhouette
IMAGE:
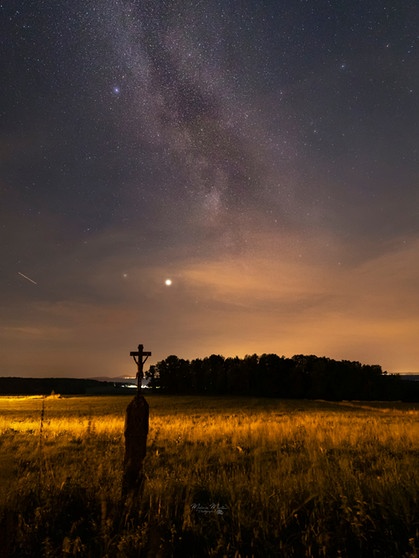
(62, 386)
(269, 375)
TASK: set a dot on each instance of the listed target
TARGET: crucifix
(140, 357)
(135, 433)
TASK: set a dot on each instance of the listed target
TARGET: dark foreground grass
(224, 477)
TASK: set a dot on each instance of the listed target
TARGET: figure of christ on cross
(140, 357)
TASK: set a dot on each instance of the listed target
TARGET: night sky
(263, 156)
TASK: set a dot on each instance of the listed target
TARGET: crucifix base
(135, 433)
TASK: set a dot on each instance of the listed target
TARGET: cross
(140, 357)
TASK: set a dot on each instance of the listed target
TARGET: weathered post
(135, 432)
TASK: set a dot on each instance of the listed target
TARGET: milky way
(263, 155)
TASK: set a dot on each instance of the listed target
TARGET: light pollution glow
(251, 304)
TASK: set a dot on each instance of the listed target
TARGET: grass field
(224, 477)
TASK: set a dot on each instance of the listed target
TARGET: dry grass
(224, 477)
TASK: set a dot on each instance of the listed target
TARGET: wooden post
(135, 432)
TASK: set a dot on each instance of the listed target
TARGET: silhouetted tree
(268, 375)
(173, 374)
(299, 381)
(213, 373)
(151, 379)
(233, 370)
(197, 378)
(249, 375)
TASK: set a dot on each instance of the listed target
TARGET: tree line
(62, 386)
(301, 376)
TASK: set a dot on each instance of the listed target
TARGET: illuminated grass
(224, 477)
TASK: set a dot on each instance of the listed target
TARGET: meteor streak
(28, 278)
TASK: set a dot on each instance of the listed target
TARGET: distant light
(168, 282)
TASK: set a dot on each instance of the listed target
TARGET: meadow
(233, 477)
